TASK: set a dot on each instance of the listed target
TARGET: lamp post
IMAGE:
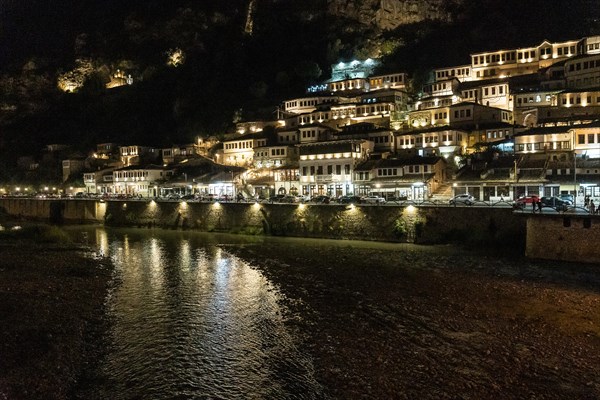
(575, 179)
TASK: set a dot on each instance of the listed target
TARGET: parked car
(555, 202)
(349, 200)
(321, 199)
(188, 197)
(372, 199)
(522, 201)
(569, 198)
(208, 197)
(466, 199)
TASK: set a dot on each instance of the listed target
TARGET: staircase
(443, 192)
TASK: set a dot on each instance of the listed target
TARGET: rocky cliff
(389, 14)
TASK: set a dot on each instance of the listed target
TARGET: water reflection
(192, 321)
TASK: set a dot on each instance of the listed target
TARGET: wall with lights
(429, 225)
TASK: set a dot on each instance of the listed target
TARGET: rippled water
(190, 320)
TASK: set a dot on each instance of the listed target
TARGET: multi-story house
(286, 179)
(462, 73)
(432, 141)
(391, 81)
(275, 156)
(327, 167)
(463, 115)
(136, 155)
(288, 136)
(308, 104)
(314, 133)
(107, 151)
(382, 138)
(176, 154)
(413, 178)
(140, 181)
(544, 139)
(489, 92)
(583, 71)
(239, 151)
(99, 182)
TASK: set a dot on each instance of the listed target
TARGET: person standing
(592, 207)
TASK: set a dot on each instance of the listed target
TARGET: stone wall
(55, 211)
(568, 238)
(469, 226)
(427, 225)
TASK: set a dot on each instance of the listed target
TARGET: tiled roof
(339, 146)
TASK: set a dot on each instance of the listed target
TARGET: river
(207, 316)
(189, 320)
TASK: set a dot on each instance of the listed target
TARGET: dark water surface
(189, 320)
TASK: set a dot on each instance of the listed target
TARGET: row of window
(464, 113)
(492, 90)
(373, 109)
(577, 100)
(566, 50)
(441, 115)
(446, 137)
(453, 72)
(132, 174)
(380, 139)
(563, 145)
(346, 85)
(311, 134)
(238, 145)
(497, 134)
(486, 73)
(319, 170)
(309, 119)
(399, 78)
(286, 138)
(587, 81)
(593, 46)
(578, 66)
(591, 138)
(492, 58)
(438, 86)
(530, 99)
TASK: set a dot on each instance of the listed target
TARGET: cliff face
(389, 14)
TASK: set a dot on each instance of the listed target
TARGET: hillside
(197, 67)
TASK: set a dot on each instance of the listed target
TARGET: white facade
(240, 151)
(432, 142)
(139, 181)
(327, 167)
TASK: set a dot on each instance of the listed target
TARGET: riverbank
(430, 324)
(52, 295)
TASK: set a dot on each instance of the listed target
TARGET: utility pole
(575, 179)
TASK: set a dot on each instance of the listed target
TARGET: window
(580, 139)
(591, 138)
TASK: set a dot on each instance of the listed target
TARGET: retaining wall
(564, 237)
(466, 225)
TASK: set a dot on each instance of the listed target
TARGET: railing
(527, 209)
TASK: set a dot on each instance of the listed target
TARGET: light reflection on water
(190, 320)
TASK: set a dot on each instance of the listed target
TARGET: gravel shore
(429, 324)
(51, 311)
